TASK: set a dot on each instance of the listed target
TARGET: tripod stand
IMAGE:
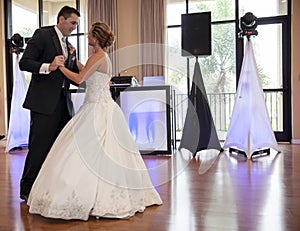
(199, 131)
(250, 132)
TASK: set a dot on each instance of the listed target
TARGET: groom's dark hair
(66, 12)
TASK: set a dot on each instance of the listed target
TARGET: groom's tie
(64, 47)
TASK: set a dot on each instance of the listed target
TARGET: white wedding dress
(94, 167)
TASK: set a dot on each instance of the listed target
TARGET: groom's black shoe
(24, 197)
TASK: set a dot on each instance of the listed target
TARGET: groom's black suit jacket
(44, 89)
(48, 100)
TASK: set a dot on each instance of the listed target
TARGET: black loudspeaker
(196, 34)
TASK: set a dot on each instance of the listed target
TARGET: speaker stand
(260, 152)
(199, 132)
(250, 127)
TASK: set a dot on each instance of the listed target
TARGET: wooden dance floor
(210, 192)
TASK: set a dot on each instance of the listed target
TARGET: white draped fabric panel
(250, 127)
(18, 130)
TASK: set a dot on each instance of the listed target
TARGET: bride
(94, 167)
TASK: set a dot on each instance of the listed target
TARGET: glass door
(271, 53)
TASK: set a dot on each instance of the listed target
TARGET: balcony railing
(221, 106)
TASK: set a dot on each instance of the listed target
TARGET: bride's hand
(58, 61)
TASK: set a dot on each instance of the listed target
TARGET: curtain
(152, 37)
(105, 11)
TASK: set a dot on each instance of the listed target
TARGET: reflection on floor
(214, 191)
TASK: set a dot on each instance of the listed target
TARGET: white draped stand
(19, 122)
(250, 130)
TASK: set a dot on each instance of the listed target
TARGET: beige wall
(3, 114)
(295, 72)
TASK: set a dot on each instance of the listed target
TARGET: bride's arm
(91, 66)
(79, 65)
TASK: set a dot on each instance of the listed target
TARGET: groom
(48, 98)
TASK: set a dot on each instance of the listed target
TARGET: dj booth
(147, 110)
(118, 84)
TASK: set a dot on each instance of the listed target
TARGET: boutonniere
(71, 48)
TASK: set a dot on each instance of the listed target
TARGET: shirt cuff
(45, 68)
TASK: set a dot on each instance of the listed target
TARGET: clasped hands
(59, 60)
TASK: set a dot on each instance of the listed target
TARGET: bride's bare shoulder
(95, 59)
(97, 55)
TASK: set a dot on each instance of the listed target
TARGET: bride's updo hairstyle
(103, 34)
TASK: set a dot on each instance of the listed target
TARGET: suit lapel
(56, 42)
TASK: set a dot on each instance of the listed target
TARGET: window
(26, 19)
(78, 38)
(265, 8)
(220, 70)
